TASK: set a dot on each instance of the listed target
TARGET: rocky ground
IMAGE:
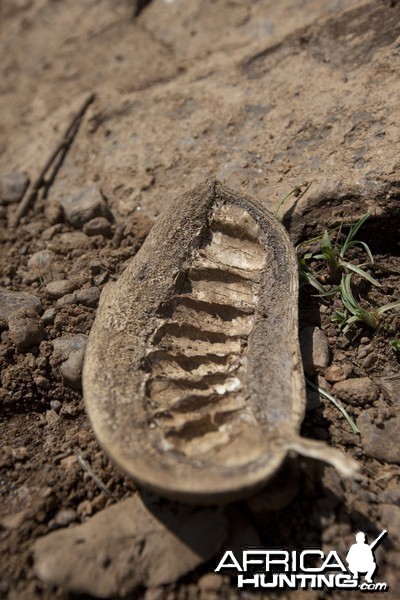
(266, 96)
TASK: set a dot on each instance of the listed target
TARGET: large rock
(83, 206)
(12, 301)
(128, 545)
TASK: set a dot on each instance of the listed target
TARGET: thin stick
(86, 467)
(59, 151)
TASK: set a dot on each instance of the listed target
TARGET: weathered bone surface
(193, 378)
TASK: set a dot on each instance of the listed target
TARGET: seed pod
(193, 378)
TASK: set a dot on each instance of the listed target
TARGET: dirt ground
(265, 95)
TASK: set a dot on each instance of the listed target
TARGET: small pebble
(69, 351)
(83, 206)
(12, 187)
(88, 297)
(85, 508)
(49, 315)
(64, 517)
(369, 360)
(53, 212)
(51, 231)
(59, 288)
(56, 405)
(26, 328)
(40, 263)
(98, 226)
(356, 391)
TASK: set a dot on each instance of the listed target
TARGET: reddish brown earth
(264, 95)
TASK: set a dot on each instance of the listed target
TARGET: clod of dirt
(61, 287)
(53, 212)
(12, 301)
(73, 240)
(337, 372)
(380, 439)
(314, 349)
(83, 206)
(128, 545)
(357, 391)
(12, 187)
(26, 328)
(98, 226)
(69, 353)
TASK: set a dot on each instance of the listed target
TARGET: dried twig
(56, 158)
(86, 467)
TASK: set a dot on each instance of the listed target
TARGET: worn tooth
(236, 295)
(190, 312)
(234, 252)
(192, 376)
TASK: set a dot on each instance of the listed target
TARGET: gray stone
(314, 349)
(12, 301)
(83, 206)
(69, 353)
(26, 328)
(128, 545)
(357, 391)
(12, 187)
(98, 226)
(380, 439)
(49, 315)
(88, 297)
(59, 288)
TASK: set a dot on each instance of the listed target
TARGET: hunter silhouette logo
(307, 569)
(360, 557)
